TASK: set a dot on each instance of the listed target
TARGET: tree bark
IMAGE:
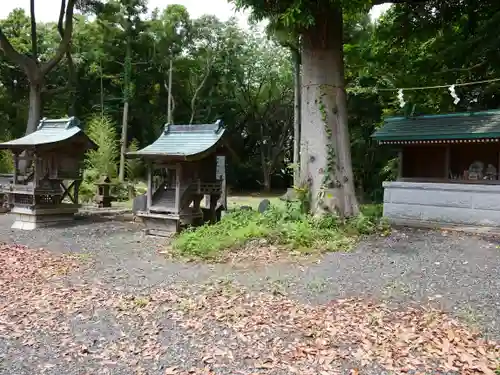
(208, 68)
(33, 70)
(34, 38)
(72, 77)
(126, 99)
(123, 148)
(296, 117)
(169, 108)
(35, 107)
(267, 180)
(325, 146)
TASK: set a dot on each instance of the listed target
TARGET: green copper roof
(472, 125)
(49, 132)
(184, 140)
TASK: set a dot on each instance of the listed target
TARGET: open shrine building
(448, 169)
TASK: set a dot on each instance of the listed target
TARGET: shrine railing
(31, 190)
(207, 187)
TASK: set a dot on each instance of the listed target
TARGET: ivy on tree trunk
(325, 147)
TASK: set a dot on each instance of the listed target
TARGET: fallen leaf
(171, 371)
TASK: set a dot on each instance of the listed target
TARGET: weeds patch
(285, 227)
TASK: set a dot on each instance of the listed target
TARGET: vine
(328, 173)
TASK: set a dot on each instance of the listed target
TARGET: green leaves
(103, 160)
(134, 167)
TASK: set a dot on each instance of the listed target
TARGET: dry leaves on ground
(228, 327)
(280, 333)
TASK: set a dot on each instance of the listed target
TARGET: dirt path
(116, 306)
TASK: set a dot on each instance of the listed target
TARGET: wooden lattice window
(23, 199)
(47, 199)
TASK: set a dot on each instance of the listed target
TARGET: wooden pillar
(447, 163)
(498, 167)
(221, 174)
(76, 188)
(196, 203)
(400, 164)
(16, 167)
(213, 207)
(36, 170)
(149, 193)
(178, 179)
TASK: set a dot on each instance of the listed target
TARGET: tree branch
(61, 18)
(34, 41)
(21, 60)
(200, 86)
(56, 91)
(462, 69)
(65, 41)
(71, 66)
(281, 143)
(165, 84)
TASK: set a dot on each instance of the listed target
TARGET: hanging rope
(437, 86)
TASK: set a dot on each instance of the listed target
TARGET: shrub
(233, 230)
(103, 160)
(87, 187)
(372, 210)
(120, 191)
(285, 226)
(134, 167)
(6, 158)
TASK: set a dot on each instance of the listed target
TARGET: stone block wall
(447, 203)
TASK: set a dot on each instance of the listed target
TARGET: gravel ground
(455, 272)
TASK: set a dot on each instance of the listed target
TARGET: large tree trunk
(126, 94)
(34, 70)
(72, 77)
(35, 107)
(34, 114)
(267, 180)
(325, 147)
(73, 85)
(296, 117)
(123, 141)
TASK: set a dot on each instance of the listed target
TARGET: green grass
(253, 200)
(283, 225)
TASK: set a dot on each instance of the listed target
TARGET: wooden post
(447, 163)
(221, 173)
(400, 166)
(178, 176)
(213, 207)
(76, 188)
(498, 167)
(149, 193)
(16, 167)
(36, 170)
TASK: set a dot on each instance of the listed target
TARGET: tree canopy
(246, 79)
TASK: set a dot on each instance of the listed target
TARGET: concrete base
(442, 203)
(29, 219)
(160, 226)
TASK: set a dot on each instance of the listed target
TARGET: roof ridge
(69, 122)
(469, 125)
(210, 127)
(184, 140)
(490, 112)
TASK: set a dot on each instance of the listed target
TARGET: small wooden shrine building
(45, 192)
(448, 169)
(184, 165)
